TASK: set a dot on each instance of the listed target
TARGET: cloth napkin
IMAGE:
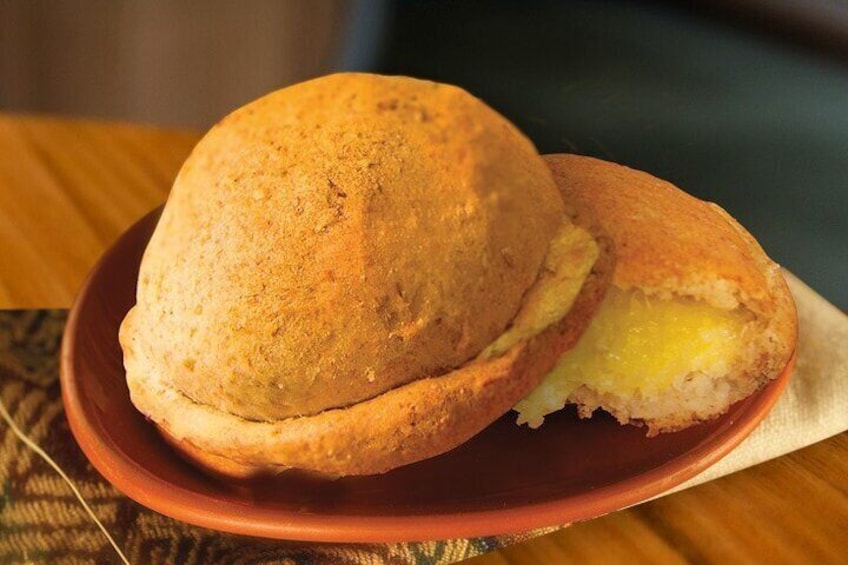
(814, 405)
(42, 522)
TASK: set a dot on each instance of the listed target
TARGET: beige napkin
(814, 405)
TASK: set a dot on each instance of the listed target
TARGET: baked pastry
(697, 316)
(341, 278)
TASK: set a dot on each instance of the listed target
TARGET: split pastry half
(697, 316)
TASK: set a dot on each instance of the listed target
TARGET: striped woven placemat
(41, 521)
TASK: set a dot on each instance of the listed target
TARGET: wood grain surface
(68, 188)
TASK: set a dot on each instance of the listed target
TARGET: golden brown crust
(338, 238)
(665, 238)
(410, 423)
(669, 243)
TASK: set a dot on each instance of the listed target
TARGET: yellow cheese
(569, 260)
(642, 345)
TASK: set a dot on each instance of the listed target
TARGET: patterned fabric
(42, 522)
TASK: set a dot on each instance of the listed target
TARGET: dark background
(732, 109)
(743, 102)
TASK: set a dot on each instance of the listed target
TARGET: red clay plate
(507, 479)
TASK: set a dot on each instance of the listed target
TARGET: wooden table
(68, 188)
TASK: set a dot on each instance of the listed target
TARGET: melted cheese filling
(569, 260)
(638, 344)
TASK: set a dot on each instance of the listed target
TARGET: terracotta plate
(507, 479)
